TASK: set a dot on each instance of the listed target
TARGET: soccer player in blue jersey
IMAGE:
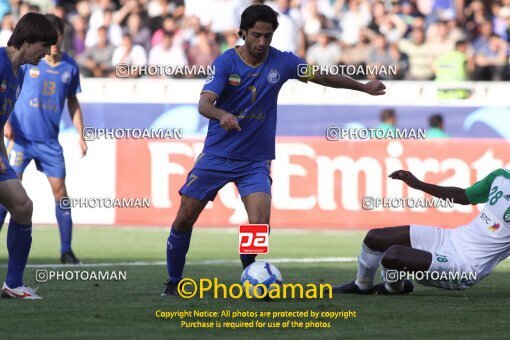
(240, 100)
(29, 43)
(33, 128)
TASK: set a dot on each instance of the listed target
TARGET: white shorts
(447, 263)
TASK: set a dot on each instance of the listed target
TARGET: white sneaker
(23, 292)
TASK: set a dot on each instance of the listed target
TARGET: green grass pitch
(126, 309)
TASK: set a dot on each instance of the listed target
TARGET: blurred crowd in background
(449, 40)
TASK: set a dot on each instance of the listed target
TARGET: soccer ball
(261, 273)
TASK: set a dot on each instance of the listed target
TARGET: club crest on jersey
(506, 215)
(3, 87)
(66, 77)
(273, 76)
(210, 78)
(34, 72)
(234, 79)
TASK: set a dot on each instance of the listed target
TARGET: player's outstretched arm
(207, 109)
(458, 195)
(374, 87)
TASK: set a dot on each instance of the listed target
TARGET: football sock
(65, 226)
(19, 240)
(176, 249)
(247, 259)
(368, 262)
(394, 287)
(3, 214)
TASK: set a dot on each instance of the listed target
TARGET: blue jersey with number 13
(36, 116)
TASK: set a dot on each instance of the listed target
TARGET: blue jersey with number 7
(250, 93)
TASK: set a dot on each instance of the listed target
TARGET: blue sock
(19, 240)
(247, 259)
(176, 249)
(3, 214)
(65, 225)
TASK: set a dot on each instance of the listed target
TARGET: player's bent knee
(373, 239)
(58, 194)
(393, 256)
(185, 219)
(22, 212)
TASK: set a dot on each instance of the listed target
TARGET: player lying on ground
(33, 128)
(240, 101)
(468, 252)
(29, 43)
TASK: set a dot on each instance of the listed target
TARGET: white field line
(211, 262)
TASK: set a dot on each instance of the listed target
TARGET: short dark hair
(56, 22)
(31, 28)
(460, 43)
(255, 13)
(387, 114)
(436, 120)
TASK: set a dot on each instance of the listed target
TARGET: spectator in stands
(442, 8)
(388, 119)
(436, 127)
(141, 34)
(290, 25)
(67, 38)
(189, 28)
(490, 61)
(382, 57)
(115, 35)
(229, 17)
(409, 13)
(325, 52)
(357, 54)
(438, 39)
(129, 54)
(482, 42)
(83, 9)
(444, 21)
(353, 20)
(419, 54)
(4, 8)
(79, 34)
(313, 21)
(476, 14)
(7, 28)
(393, 28)
(401, 61)
(168, 52)
(378, 12)
(97, 60)
(229, 40)
(157, 9)
(99, 13)
(169, 25)
(204, 50)
(451, 67)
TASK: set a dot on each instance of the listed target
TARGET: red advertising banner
(316, 183)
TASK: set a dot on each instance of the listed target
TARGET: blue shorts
(211, 173)
(8, 172)
(48, 156)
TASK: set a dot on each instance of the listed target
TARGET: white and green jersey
(485, 241)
